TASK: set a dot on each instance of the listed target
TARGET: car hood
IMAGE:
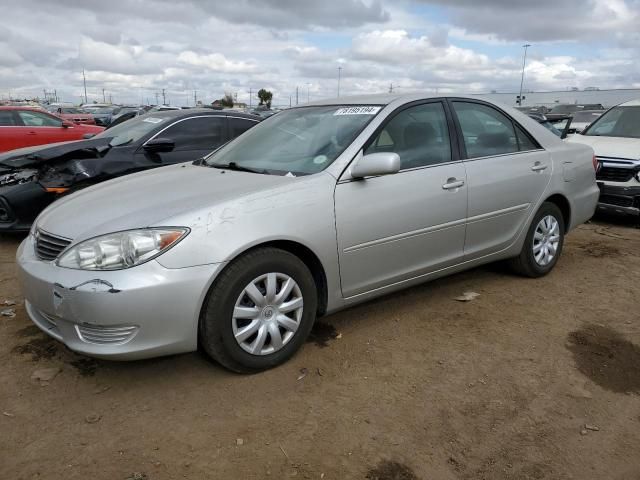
(32, 156)
(147, 198)
(617, 147)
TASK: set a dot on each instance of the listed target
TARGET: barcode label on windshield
(153, 120)
(358, 110)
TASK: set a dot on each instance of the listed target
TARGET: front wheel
(543, 244)
(259, 311)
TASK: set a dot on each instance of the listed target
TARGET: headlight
(121, 250)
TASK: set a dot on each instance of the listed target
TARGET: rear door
(393, 228)
(507, 173)
(10, 131)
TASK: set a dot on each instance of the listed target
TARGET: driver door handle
(538, 167)
(452, 184)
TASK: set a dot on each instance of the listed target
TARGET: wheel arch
(306, 255)
(563, 204)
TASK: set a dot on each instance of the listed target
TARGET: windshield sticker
(368, 110)
(153, 120)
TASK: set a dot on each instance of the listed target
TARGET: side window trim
(454, 149)
(460, 137)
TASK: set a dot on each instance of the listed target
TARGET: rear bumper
(623, 200)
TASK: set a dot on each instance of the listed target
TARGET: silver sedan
(315, 209)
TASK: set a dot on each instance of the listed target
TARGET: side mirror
(67, 124)
(159, 144)
(374, 164)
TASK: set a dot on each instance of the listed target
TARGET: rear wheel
(543, 244)
(259, 311)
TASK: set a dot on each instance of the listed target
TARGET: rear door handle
(452, 184)
(32, 133)
(538, 167)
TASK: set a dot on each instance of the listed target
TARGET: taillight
(595, 163)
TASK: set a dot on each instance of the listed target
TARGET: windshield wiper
(238, 168)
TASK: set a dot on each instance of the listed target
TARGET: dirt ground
(534, 379)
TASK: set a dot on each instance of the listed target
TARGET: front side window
(38, 119)
(617, 122)
(300, 141)
(199, 133)
(238, 126)
(419, 135)
(485, 130)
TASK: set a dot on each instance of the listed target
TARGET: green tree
(227, 100)
(265, 97)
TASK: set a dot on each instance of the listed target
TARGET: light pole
(84, 81)
(524, 61)
(339, 74)
(308, 85)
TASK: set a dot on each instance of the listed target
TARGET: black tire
(215, 327)
(525, 264)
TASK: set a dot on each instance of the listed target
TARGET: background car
(74, 115)
(615, 137)
(571, 108)
(32, 178)
(582, 119)
(25, 127)
(102, 115)
(315, 209)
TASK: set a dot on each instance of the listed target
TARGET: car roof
(23, 107)
(389, 98)
(632, 103)
(194, 112)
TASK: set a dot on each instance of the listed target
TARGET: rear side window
(485, 130)
(198, 133)
(7, 119)
(524, 141)
(38, 119)
(419, 135)
(238, 126)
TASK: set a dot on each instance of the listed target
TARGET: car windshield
(617, 122)
(73, 111)
(299, 141)
(549, 126)
(132, 130)
(585, 117)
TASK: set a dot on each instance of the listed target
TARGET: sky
(135, 48)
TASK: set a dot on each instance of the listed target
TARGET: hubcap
(546, 240)
(267, 313)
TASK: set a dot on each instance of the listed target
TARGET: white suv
(615, 137)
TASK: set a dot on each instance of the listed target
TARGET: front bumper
(620, 199)
(142, 312)
(20, 205)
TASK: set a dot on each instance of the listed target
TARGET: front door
(193, 138)
(507, 173)
(397, 227)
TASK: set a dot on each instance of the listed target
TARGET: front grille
(48, 246)
(100, 335)
(616, 200)
(613, 174)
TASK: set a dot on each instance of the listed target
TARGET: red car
(74, 115)
(26, 127)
